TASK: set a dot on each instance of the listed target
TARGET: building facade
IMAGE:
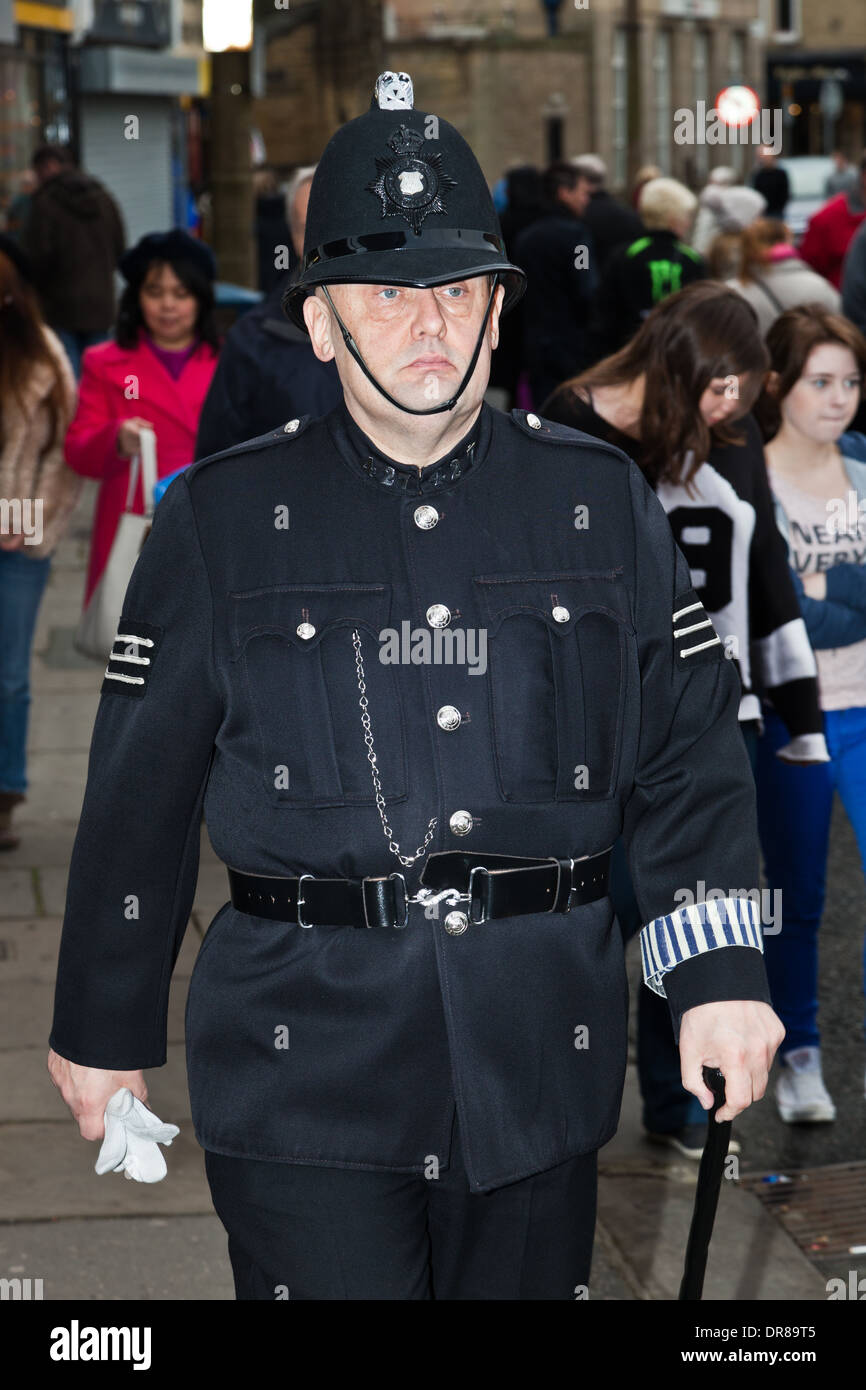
(137, 68)
(816, 70)
(117, 81)
(35, 94)
(528, 81)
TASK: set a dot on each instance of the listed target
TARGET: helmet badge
(410, 184)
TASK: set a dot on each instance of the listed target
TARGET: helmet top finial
(394, 92)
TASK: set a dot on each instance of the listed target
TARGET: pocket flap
(560, 600)
(284, 608)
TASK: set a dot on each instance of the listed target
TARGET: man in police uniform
(421, 663)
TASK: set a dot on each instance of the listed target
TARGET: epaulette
(290, 431)
(550, 431)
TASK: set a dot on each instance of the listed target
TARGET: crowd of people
(687, 330)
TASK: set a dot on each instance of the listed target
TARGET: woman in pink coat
(156, 371)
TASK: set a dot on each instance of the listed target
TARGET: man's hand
(740, 1037)
(87, 1091)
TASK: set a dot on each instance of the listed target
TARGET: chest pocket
(558, 662)
(295, 665)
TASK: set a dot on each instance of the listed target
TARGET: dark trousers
(302, 1232)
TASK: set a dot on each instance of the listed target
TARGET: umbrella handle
(707, 1192)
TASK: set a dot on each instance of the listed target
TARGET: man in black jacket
(74, 237)
(411, 1110)
(642, 273)
(610, 222)
(267, 371)
(557, 253)
(770, 180)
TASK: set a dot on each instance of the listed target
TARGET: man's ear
(317, 317)
(495, 311)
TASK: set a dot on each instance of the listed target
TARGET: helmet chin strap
(432, 410)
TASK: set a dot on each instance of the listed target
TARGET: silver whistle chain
(405, 859)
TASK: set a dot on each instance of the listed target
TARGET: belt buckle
(477, 869)
(300, 902)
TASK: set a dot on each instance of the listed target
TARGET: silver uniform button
(561, 615)
(438, 615)
(533, 422)
(461, 823)
(448, 717)
(456, 923)
(306, 630)
(426, 517)
(291, 427)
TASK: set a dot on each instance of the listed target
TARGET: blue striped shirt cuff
(690, 931)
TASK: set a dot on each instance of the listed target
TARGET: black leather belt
(486, 886)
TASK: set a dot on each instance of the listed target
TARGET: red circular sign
(738, 105)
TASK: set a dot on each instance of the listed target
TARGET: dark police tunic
(592, 717)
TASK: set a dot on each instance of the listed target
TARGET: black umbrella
(707, 1194)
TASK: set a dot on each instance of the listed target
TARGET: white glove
(132, 1133)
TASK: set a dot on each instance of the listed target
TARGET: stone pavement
(105, 1238)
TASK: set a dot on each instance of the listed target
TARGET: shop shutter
(138, 173)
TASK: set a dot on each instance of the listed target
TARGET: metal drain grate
(822, 1209)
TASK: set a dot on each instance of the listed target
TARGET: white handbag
(97, 628)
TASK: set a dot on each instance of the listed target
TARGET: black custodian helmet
(398, 198)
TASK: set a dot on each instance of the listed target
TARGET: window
(786, 18)
(736, 154)
(554, 140)
(662, 98)
(701, 77)
(620, 109)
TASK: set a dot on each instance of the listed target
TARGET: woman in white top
(772, 276)
(818, 475)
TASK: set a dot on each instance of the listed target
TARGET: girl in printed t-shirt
(818, 475)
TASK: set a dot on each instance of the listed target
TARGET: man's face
(577, 198)
(417, 342)
(47, 170)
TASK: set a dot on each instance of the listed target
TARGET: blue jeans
(794, 809)
(22, 581)
(667, 1105)
(75, 343)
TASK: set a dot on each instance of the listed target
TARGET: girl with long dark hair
(676, 398)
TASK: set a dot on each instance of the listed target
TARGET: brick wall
(833, 24)
(499, 96)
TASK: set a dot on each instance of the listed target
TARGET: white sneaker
(801, 1095)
